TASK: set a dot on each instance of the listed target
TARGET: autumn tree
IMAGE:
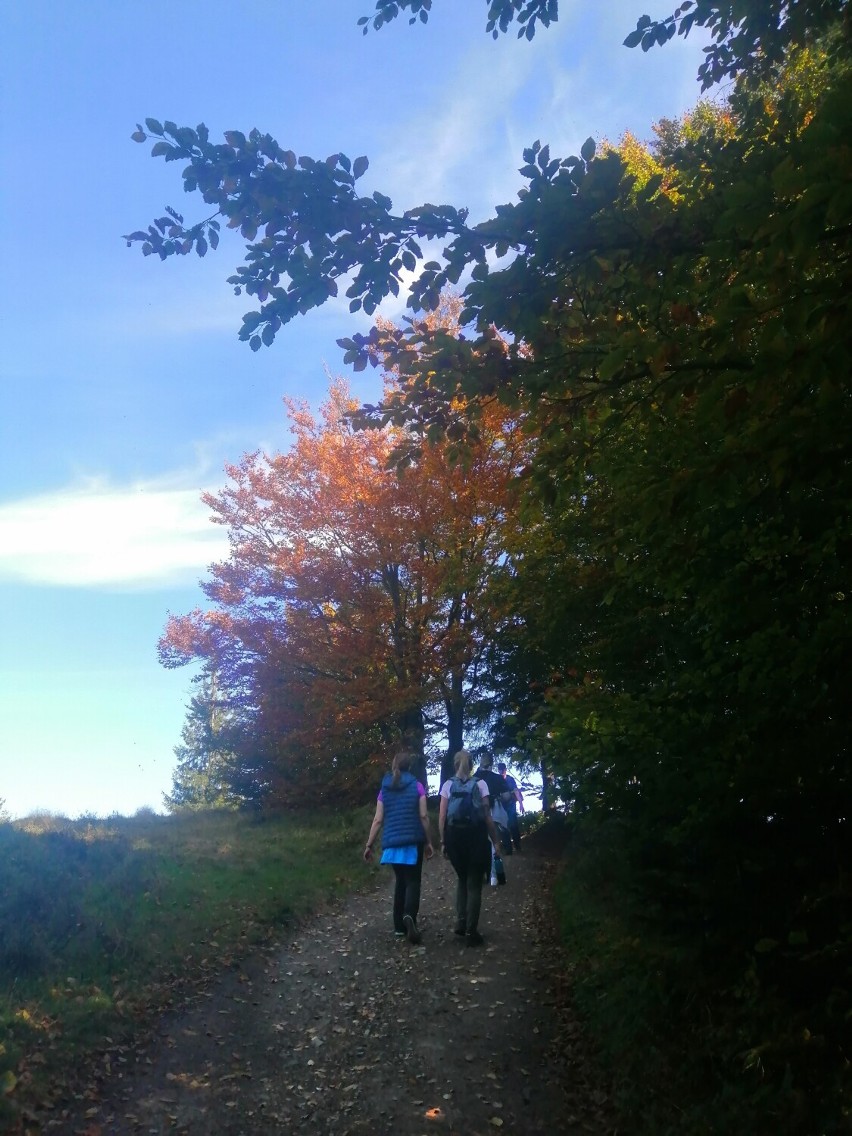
(352, 614)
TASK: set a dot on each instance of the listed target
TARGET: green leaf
(359, 166)
(587, 150)
(160, 148)
(154, 126)
(651, 187)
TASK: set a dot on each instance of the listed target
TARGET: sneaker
(399, 934)
(474, 939)
(414, 935)
(460, 929)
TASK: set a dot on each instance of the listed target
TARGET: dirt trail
(347, 1030)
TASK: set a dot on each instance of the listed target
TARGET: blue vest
(402, 824)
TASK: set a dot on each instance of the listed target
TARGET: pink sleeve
(380, 797)
(421, 792)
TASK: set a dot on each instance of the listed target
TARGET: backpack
(496, 787)
(465, 807)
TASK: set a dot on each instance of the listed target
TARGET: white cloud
(444, 153)
(141, 536)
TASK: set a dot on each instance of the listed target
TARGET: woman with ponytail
(465, 833)
(401, 813)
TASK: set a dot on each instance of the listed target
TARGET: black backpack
(465, 807)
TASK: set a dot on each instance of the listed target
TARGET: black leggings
(470, 854)
(406, 892)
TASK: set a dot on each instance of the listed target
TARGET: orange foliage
(354, 598)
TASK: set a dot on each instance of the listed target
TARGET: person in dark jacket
(401, 814)
(512, 805)
(500, 794)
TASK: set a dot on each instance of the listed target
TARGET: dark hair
(501, 768)
(401, 762)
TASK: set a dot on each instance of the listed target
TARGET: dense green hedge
(697, 1041)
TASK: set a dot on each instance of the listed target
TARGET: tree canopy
(353, 614)
(501, 14)
(747, 36)
(316, 231)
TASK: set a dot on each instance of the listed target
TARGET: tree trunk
(414, 739)
(454, 703)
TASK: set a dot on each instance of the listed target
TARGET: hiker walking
(401, 813)
(465, 824)
(500, 794)
(512, 805)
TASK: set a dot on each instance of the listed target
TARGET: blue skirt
(406, 854)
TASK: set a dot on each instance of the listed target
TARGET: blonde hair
(461, 764)
(401, 762)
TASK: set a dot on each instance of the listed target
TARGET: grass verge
(103, 922)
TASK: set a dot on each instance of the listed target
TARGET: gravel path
(347, 1030)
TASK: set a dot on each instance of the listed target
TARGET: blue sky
(125, 389)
